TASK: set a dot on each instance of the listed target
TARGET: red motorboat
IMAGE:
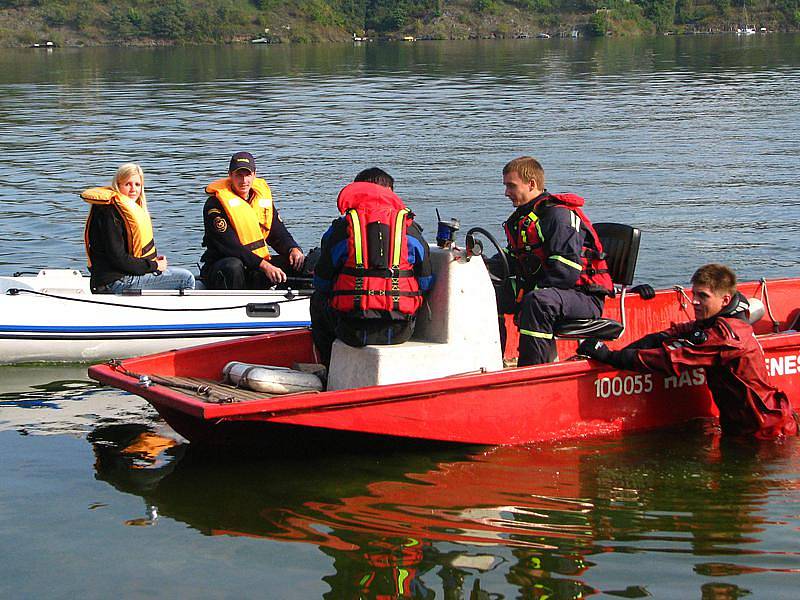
(449, 383)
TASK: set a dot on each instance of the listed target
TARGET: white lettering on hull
(693, 377)
(623, 385)
(630, 385)
(783, 365)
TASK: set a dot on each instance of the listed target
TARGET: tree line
(213, 21)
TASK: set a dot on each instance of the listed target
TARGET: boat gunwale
(307, 402)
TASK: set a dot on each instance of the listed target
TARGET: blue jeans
(173, 278)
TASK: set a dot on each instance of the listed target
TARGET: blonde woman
(119, 241)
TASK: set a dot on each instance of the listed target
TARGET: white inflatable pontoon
(54, 317)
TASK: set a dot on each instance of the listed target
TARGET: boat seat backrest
(621, 247)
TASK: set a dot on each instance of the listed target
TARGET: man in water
(557, 259)
(241, 222)
(373, 268)
(721, 340)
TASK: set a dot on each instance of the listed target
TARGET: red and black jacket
(726, 347)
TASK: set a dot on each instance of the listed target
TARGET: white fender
(271, 380)
(756, 310)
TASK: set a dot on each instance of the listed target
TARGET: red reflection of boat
(517, 517)
(568, 399)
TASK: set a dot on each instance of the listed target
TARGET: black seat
(621, 247)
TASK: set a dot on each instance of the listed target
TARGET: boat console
(456, 332)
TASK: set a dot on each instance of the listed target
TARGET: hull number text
(630, 385)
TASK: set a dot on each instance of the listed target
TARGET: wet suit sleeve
(671, 352)
(108, 234)
(563, 244)
(279, 237)
(221, 238)
(419, 254)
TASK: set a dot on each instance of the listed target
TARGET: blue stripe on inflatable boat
(18, 330)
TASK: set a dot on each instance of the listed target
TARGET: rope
(687, 300)
(148, 380)
(765, 298)
(290, 297)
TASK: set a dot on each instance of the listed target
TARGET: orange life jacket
(138, 227)
(250, 220)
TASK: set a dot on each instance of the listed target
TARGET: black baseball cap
(242, 160)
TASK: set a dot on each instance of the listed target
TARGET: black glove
(644, 290)
(594, 348)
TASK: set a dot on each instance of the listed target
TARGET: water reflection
(58, 400)
(508, 522)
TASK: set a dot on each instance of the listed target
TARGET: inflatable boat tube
(271, 380)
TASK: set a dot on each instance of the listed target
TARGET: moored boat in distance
(54, 317)
(448, 384)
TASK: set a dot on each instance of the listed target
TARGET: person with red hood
(373, 268)
(557, 260)
(721, 340)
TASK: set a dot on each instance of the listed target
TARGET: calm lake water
(693, 139)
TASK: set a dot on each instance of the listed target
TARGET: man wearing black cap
(241, 223)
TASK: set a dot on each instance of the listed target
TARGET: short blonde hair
(528, 169)
(124, 173)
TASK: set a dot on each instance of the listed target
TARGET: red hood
(358, 193)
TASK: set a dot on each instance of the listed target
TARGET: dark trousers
(230, 273)
(328, 324)
(540, 311)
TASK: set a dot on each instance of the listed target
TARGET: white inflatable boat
(53, 316)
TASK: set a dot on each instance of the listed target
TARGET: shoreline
(50, 45)
(94, 24)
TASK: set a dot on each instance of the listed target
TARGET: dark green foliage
(56, 14)
(535, 6)
(134, 21)
(723, 6)
(384, 16)
(660, 12)
(599, 24)
(169, 20)
(684, 11)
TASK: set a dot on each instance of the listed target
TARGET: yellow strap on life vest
(138, 226)
(251, 220)
(398, 237)
(358, 243)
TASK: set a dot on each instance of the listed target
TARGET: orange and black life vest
(250, 220)
(525, 240)
(377, 275)
(138, 227)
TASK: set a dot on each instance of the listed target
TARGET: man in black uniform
(556, 256)
(241, 222)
